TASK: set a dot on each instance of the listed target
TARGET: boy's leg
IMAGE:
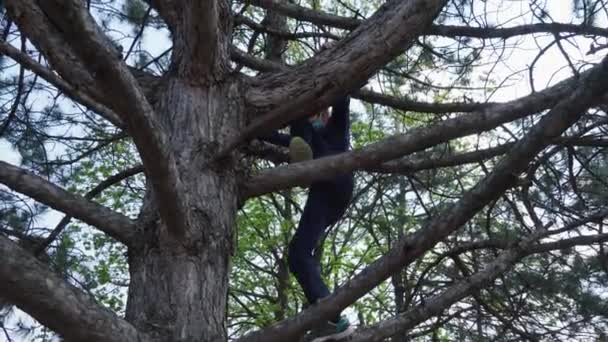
(301, 260)
(319, 212)
(341, 192)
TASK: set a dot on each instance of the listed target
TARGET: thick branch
(30, 285)
(404, 104)
(508, 32)
(241, 57)
(316, 83)
(399, 145)
(409, 248)
(404, 166)
(200, 32)
(427, 163)
(114, 224)
(417, 106)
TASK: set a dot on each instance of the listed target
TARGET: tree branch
(34, 23)
(321, 18)
(30, 285)
(307, 14)
(454, 293)
(412, 165)
(505, 260)
(75, 94)
(316, 83)
(404, 104)
(240, 19)
(121, 91)
(200, 37)
(415, 140)
(17, 101)
(114, 224)
(275, 45)
(417, 106)
(409, 248)
(108, 182)
(508, 32)
(426, 162)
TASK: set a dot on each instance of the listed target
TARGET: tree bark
(187, 275)
(112, 223)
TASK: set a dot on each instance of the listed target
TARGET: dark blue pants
(326, 203)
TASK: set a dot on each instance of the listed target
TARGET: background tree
(478, 213)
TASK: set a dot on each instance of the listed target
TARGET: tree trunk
(179, 283)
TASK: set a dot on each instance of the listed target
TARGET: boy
(327, 201)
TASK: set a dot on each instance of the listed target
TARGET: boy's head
(319, 120)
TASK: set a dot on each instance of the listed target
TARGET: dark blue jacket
(334, 138)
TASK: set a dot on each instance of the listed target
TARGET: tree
(190, 118)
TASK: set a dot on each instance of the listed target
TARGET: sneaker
(330, 331)
(299, 150)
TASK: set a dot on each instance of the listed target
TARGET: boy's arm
(277, 138)
(339, 121)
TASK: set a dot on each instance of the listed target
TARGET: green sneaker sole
(299, 150)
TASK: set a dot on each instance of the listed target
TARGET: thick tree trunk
(179, 283)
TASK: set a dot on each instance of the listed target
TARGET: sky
(551, 68)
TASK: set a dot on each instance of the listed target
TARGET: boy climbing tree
(319, 136)
(327, 201)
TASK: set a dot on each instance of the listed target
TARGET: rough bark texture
(188, 275)
(199, 108)
(201, 32)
